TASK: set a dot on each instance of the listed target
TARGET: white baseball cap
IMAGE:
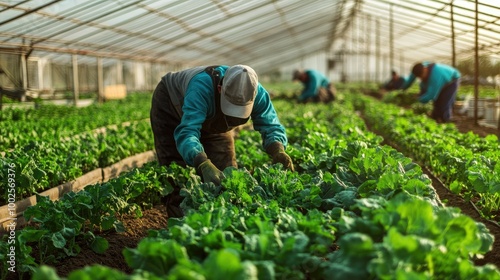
(239, 88)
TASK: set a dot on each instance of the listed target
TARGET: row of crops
(467, 163)
(53, 145)
(354, 208)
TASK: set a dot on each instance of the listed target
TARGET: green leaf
(495, 188)
(185, 271)
(38, 173)
(68, 232)
(456, 187)
(478, 181)
(99, 272)
(108, 222)
(31, 235)
(24, 180)
(45, 273)
(226, 264)
(416, 216)
(99, 245)
(156, 255)
(58, 240)
(266, 270)
(356, 243)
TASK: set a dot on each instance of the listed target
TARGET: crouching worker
(316, 86)
(193, 112)
(396, 82)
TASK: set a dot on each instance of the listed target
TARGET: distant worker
(317, 87)
(438, 83)
(193, 112)
(396, 82)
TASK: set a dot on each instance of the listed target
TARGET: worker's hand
(278, 154)
(210, 173)
(284, 159)
(207, 170)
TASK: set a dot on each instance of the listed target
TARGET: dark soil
(136, 229)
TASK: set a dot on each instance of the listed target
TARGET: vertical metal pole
(75, 79)
(356, 46)
(377, 51)
(367, 56)
(476, 64)
(100, 82)
(453, 51)
(24, 69)
(353, 51)
(344, 62)
(391, 37)
(41, 82)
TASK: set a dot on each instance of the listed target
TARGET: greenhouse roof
(263, 33)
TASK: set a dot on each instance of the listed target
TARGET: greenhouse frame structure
(51, 46)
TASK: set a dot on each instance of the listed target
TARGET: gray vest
(177, 83)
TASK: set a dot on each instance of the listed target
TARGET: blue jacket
(440, 75)
(314, 82)
(199, 105)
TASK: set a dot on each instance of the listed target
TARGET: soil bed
(136, 229)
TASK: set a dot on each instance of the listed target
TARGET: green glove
(209, 172)
(277, 152)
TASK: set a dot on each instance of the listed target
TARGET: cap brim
(236, 111)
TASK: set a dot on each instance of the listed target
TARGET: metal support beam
(377, 51)
(368, 48)
(75, 80)
(100, 81)
(28, 12)
(476, 64)
(391, 37)
(24, 75)
(453, 51)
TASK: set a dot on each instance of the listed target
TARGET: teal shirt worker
(193, 115)
(199, 105)
(317, 87)
(438, 83)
